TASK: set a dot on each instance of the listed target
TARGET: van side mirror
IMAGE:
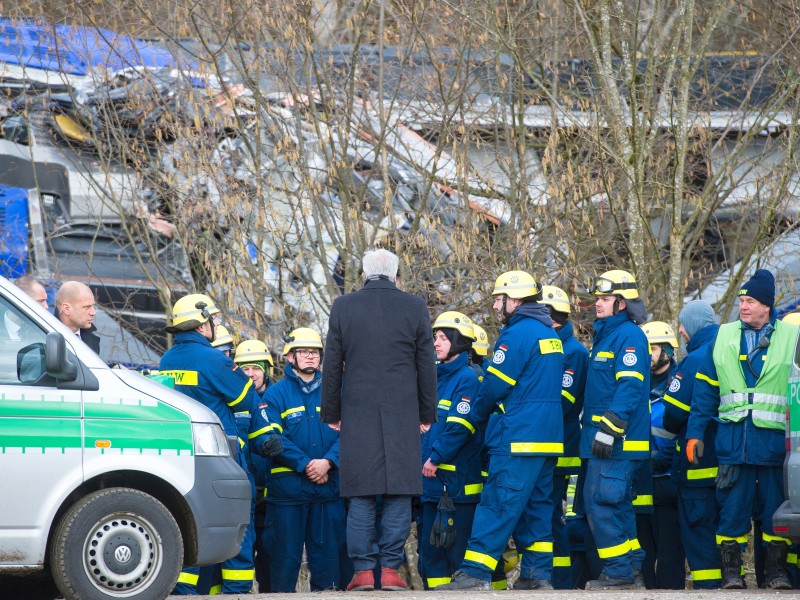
(56, 361)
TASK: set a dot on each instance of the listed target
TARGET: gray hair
(380, 262)
(28, 283)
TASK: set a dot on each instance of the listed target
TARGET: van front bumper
(220, 501)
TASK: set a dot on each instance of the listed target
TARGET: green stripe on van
(21, 434)
(160, 436)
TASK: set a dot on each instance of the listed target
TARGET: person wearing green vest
(743, 384)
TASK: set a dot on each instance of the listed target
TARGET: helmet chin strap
(306, 370)
(616, 305)
(213, 330)
(506, 314)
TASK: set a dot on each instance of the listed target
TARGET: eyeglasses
(305, 353)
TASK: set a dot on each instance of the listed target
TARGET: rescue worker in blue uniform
(698, 511)
(616, 427)
(451, 454)
(303, 502)
(664, 565)
(743, 384)
(573, 382)
(480, 350)
(213, 379)
(524, 439)
(255, 359)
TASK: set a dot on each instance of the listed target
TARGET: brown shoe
(363, 581)
(391, 580)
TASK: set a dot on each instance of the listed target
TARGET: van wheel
(116, 543)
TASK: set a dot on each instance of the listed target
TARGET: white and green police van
(109, 482)
(786, 520)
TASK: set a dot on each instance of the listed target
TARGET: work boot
(532, 584)
(463, 581)
(775, 567)
(363, 581)
(604, 582)
(391, 580)
(638, 579)
(731, 565)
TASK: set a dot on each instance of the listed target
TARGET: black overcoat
(379, 380)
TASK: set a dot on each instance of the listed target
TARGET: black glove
(271, 446)
(727, 476)
(611, 427)
(443, 532)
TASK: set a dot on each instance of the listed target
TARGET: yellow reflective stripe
(678, 403)
(446, 467)
(742, 539)
(636, 446)
(182, 377)
(635, 374)
(215, 590)
(274, 470)
(562, 561)
(241, 443)
(255, 434)
(706, 574)
(238, 574)
(775, 538)
(464, 422)
(444, 403)
(596, 418)
(611, 426)
(614, 551)
(502, 376)
(190, 578)
(635, 544)
(743, 357)
(707, 379)
(243, 394)
(484, 474)
(540, 547)
(791, 558)
(708, 473)
(643, 500)
(473, 488)
(568, 461)
(605, 354)
(568, 396)
(481, 559)
(434, 581)
(319, 409)
(500, 585)
(549, 447)
(277, 427)
(502, 407)
(291, 411)
(551, 346)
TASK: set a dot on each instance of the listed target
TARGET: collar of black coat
(379, 281)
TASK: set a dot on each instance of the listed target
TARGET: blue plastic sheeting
(13, 232)
(75, 50)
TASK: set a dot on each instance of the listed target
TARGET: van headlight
(209, 440)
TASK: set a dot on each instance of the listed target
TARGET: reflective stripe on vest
(766, 402)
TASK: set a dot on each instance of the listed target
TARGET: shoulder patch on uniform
(675, 385)
(499, 356)
(629, 359)
(567, 380)
(463, 407)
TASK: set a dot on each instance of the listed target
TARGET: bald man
(75, 307)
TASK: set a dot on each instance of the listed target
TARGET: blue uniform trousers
(320, 526)
(562, 563)
(670, 555)
(436, 565)
(515, 501)
(608, 500)
(757, 486)
(698, 517)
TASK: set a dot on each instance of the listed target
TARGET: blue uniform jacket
(207, 375)
(663, 443)
(524, 382)
(736, 443)
(573, 384)
(678, 403)
(259, 464)
(454, 442)
(293, 408)
(618, 380)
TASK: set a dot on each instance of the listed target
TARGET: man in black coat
(379, 392)
(75, 307)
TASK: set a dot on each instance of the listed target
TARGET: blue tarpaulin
(32, 43)
(13, 232)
